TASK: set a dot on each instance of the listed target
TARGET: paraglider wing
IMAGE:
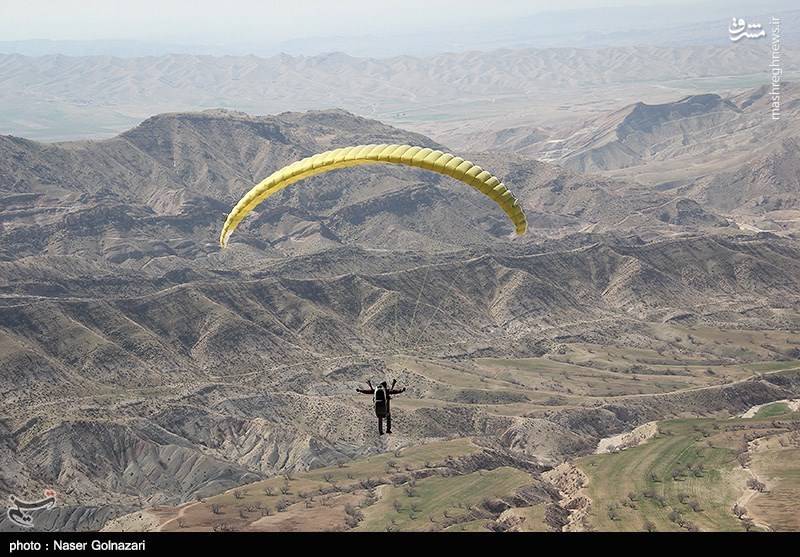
(419, 157)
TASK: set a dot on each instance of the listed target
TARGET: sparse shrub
(354, 515)
(649, 526)
(216, 508)
(756, 485)
(282, 505)
(371, 498)
(238, 493)
(222, 527)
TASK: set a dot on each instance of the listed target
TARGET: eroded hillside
(142, 366)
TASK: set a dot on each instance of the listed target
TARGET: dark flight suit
(382, 408)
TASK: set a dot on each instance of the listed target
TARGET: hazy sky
(216, 21)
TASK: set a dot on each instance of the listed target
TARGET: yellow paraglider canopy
(420, 157)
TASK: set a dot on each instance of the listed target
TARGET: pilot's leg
(388, 423)
(380, 426)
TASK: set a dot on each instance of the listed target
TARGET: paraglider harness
(380, 399)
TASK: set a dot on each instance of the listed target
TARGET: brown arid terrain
(158, 382)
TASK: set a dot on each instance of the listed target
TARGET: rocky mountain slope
(657, 143)
(726, 153)
(141, 365)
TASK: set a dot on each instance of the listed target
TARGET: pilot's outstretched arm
(369, 391)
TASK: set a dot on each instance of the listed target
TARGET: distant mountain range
(457, 98)
(727, 153)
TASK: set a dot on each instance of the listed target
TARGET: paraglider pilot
(381, 397)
